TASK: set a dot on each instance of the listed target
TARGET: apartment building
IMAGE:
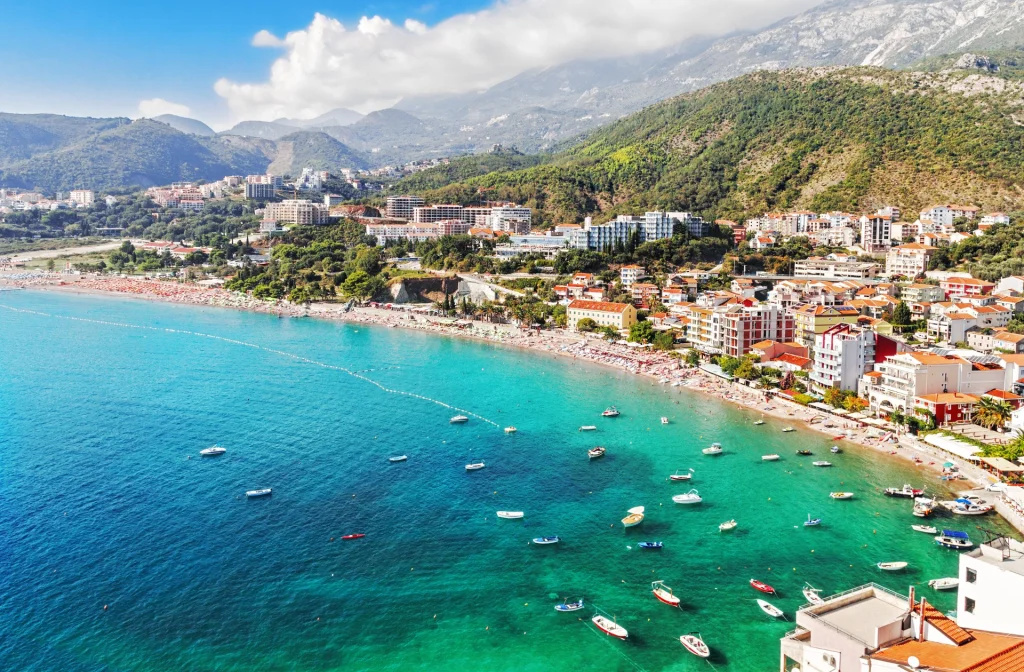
(992, 587)
(506, 218)
(955, 288)
(842, 354)
(900, 379)
(921, 293)
(301, 212)
(834, 267)
(876, 233)
(910, 260)
(645, 293)
(953, 327)
(944, 215)
(618, 316)
(813, 319)
(427, 214)
(630, 274)
(83, 197)
(651, 226)
(733, 329)
(402, 207)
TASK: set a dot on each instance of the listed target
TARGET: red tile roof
(601, 306)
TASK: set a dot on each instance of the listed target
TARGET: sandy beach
(660, 367)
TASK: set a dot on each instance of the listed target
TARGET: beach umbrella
(948, 464)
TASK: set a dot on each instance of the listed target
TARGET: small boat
(650, 544)
(927, 529)
(681, 477)
(510, 515)
(570, 606)
(759, 421)
(664, 594)
(788, 429)
(811, 594)
(923, 506)
(610, 412)
(906, 491)
(595, 452)
(213, 450)
(804, 451)
(841, 495)
(609, 627)
(948, 583)
(348, 537)
(635, 517)
(588, 428)
(839, 438)
(664, 420)
(954, 539)
(475, 466)
(458, 420)
(727, 525)
(822, 463)
(546, 540)
(811, 522)
(892, 566)
(835, 450)
(262, 492)
(691, 497)
(762, 586)
(770, 609)
(399, 458)
(713, 449)
(770, 458)
(695, 645)
(965, 507)
(511, 430)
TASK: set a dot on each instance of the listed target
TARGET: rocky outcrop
(422, 290)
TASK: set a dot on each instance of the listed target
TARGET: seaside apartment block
(618, 316)
(733, 329)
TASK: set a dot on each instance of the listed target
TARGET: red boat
(763, 587)
(353, 536)
(839, 438)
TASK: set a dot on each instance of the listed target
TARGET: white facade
(402, 207)
(301, 212)
(842, 354)
(991, 589)
(509, 219)
(823, 267)
(875, 233)
(83, 196)
(909, 260)
(630, 274)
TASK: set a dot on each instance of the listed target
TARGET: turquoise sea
(119, 552)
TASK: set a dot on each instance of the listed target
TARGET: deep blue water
(100, 503)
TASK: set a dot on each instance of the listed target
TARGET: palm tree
(992, 412)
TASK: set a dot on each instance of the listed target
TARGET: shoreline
(659, 367)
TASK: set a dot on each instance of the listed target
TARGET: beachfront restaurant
(1003, 468)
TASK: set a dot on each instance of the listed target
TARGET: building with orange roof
(790, 363)
(908, 261)
(769, 350)
(919, 292)
(630, 274)
(912, 375)
(957, 287)
(948, 407)
(813, 319)
(618, 316)
(734, 327)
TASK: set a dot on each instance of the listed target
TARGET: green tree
(854, 404)
(692, 357)
(664, 341)
(834, 397)
(641, 332)
(992, 413)
(360, 285)
(586, 325)
(745, 370)
(901, 315)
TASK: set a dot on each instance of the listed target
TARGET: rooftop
(986, 652)
(600, 306)
(1004, 553)
(859, 613)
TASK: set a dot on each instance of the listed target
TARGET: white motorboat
(841, 495)
(609, 627)
(262, 492)
(681, 477)
(398, 458)
(770, 458)
(543, 541)
(923, 506)
(695, 645)
(788, 429)
(213, 450)
(963, 507)
(635, 517)
(610, 412)
(891, 566)
(713, 449)
(822, 463)
(926, 529)
(811, 594)
(759, 421)
(475, 466)
(510, 515)
(588, 428)
(596, 452)
(727, 525)
(664, 420)
(664, 594)
(458, 420)
(770, 609)
(948, 583)
(511, 430)
(690, 497)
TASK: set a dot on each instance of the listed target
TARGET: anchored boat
(762, 586)
(511, 430)
(691, 497)
(954, 539)
(213, 450)
(770, 458)
(262, 492)
(595, 452)
(822, 463)
(349, 537)
(664, 594)
(398, 458)
(681, 477)
(804, 451)
(727, 525)
(610, 412)
(664, 420)
(927, 529)
(635, 517)
(811, 594)
(841, 495)
(891, 566)
(650, 544)
(770, 609)
(546, 540)
(906, 491)
(713, 449)
(944, 584)
(475, 466)
(695, 645)
(811, 522)
(609, 627)
(588, 428)
(458, 420)
(510, 515)
(570, 606)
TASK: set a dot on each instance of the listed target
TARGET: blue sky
(102, 58)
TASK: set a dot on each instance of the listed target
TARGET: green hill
(823, 139)
(25, 135)
(141, 154)
(313, 149)
(467, 167)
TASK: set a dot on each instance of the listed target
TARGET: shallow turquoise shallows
(122, 549)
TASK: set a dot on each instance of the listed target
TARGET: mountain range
(536, 111)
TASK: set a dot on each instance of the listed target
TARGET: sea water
(122, 549)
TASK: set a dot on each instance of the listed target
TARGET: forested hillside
(823, 139)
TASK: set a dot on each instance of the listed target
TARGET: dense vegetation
(847, 139)
(997, 254)
(466, 167)
(316, 150)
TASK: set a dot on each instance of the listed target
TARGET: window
(969, 605)
(972, 576)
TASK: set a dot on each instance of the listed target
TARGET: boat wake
(255, 346)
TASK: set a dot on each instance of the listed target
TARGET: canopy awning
(822, 406)
(951, 445)
(1003, 465)
(857, 416)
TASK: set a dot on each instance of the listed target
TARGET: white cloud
(327, 65)
(154, 107)
(265, 38)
